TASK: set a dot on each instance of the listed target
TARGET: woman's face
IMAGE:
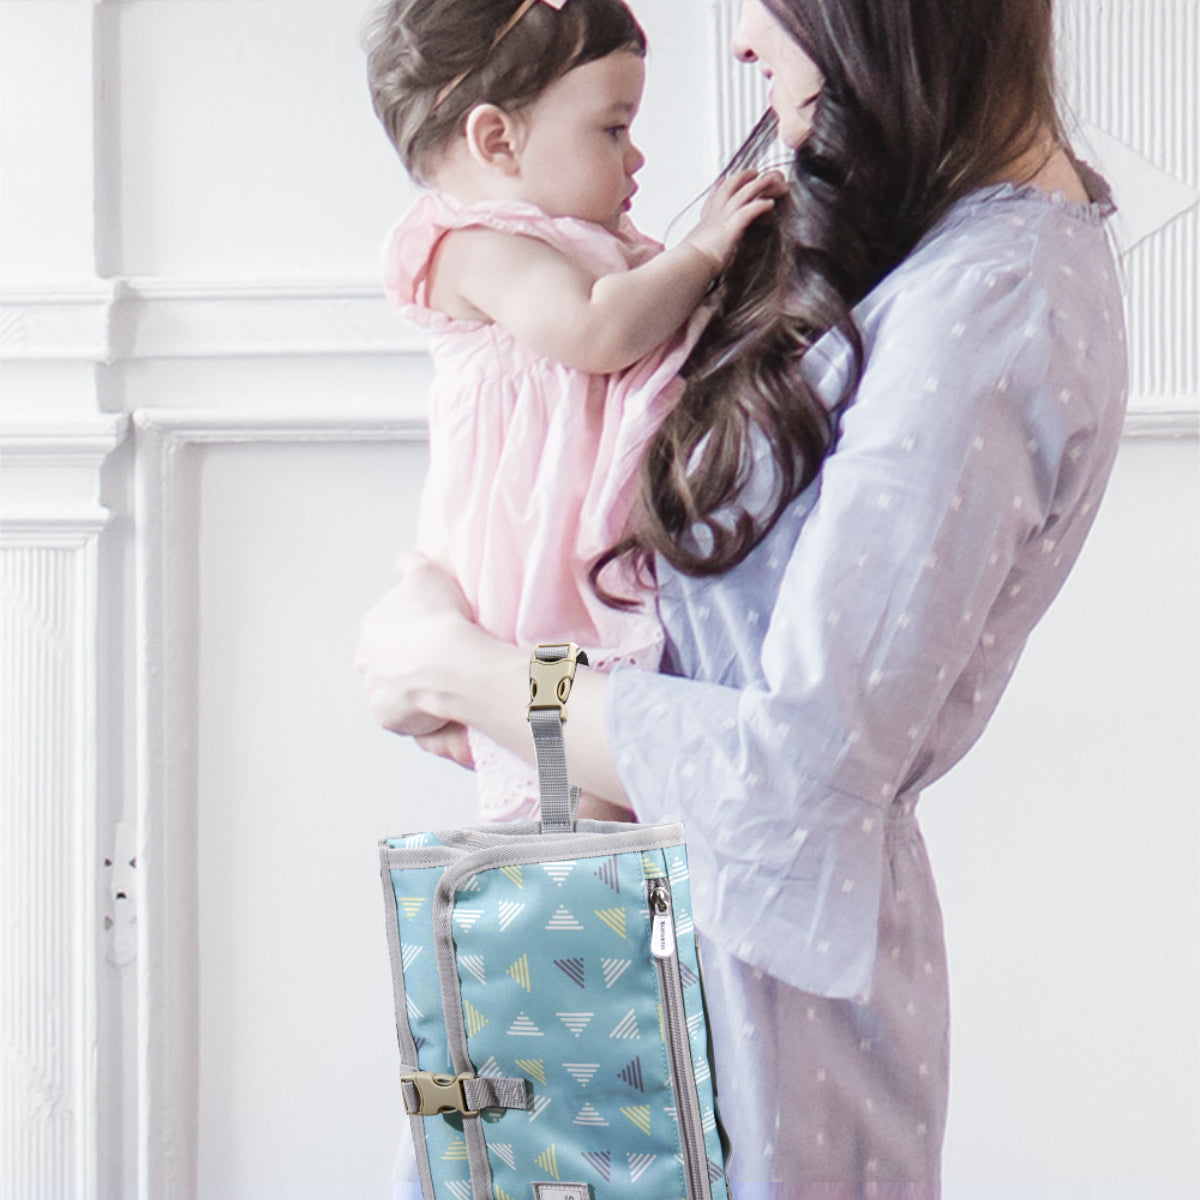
(794, 78)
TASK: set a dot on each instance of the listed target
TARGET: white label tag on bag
(561, 1191)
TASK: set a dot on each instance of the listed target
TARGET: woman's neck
(1047, 166)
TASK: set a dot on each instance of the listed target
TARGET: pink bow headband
(505, 29)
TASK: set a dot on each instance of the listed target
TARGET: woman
(890, 449)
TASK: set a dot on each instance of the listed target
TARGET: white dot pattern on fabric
(890, 602)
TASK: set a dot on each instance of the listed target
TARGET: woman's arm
(426, 666)
(593, 324)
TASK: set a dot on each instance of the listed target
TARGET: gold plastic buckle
(438, 1093)
(550, 682)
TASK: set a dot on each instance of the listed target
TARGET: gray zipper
(683, 1078)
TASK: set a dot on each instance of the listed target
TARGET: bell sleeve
(956, 453)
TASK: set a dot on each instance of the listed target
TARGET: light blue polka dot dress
(852, 659)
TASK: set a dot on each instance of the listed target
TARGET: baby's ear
(493, 138)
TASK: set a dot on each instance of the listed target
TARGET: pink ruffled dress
(532, 464)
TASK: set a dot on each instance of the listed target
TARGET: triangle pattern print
(589, 1115)
(639, 1114)
(582, 1073)
(460, 1189)
(507, 912)
(614, 968)
(474, 964)
(474, 1019)
(600, 1161)
(626, 1027)
(558, 871)
(572, 968)
(534, 1067)
(608, 872)
(575, 1022)
(638, 1163)
(614, 918)
(549, 1161)
(505, 1154)
(632, 1074)
(520, 972)
(524, 1027)
(562, 919)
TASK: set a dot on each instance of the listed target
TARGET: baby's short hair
(429, 62)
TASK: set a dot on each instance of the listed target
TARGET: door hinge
(121, 895)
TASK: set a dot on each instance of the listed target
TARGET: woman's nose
(740, 43)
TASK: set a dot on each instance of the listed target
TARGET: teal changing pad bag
(549, 1004)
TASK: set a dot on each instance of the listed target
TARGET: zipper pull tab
(662, 928)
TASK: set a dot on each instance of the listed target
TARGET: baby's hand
(731, 206)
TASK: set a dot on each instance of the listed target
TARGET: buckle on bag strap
(551, 674)
(426, 1093)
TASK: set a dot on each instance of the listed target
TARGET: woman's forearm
(486, 686)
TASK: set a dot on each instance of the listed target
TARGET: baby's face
(576, 156)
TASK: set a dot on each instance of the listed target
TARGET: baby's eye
(616, 132)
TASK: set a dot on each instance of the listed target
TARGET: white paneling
(247, 142)
(739, 91)
(46, 140)
(1064, 847)
(1130, 72)
(48, 864)
(264, 788)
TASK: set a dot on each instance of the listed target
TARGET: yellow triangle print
(639, 1114)
(533, 1066)
(514, 874)
(520, 972)
(548, 1162)
(651, 867)
(456, 1150)
(501, 1194)
(474, 1018)
(410, 904)
(614, 918)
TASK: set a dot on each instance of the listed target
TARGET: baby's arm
(596, 324)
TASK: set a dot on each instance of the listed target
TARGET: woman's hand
(449, 741)
(406, 642)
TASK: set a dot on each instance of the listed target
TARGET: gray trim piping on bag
(404, 1035)
(679, 1055)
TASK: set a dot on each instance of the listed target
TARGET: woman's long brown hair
(923, 102)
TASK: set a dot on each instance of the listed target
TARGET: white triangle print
(614, 968)
(575, 1022)
(524, 1027)
(558, 871)
(466, 917)
(563, 919)
(582, 1073)
(474, 964)
(507, 912)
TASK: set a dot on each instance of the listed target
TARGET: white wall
(211, 444)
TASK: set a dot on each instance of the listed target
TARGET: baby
(556, 328)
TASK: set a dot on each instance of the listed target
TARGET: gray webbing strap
(559, 800)
(479, 1092)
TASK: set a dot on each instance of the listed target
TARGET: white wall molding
(56, 322)
(131, 319)
(170, 448)
(48, 855)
